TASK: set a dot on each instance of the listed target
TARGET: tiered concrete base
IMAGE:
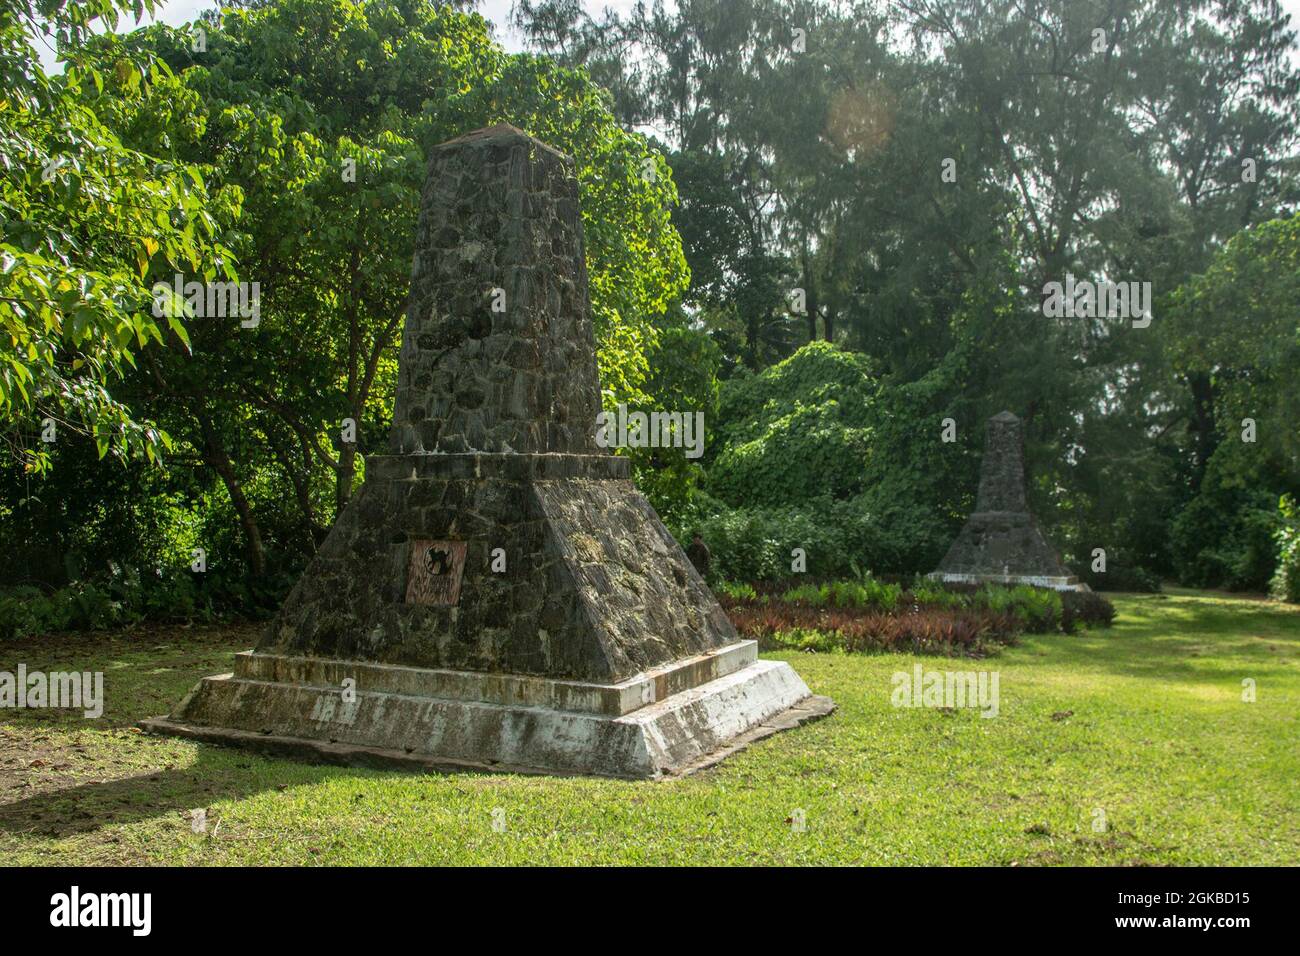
(1070, 583)
(669, 721)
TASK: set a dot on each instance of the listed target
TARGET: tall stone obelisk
(498, 593)
(1001, 542)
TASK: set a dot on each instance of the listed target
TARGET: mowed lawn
(1144, 722)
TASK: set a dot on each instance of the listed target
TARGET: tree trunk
(313, 533)
(810, 295)
(346, 472)
(1202, 422)
(214, 454)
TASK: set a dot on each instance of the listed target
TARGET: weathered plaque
(435, 572)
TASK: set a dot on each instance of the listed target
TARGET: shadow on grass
(146, 671)
(217, 774)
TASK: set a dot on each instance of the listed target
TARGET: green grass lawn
(1145, 721)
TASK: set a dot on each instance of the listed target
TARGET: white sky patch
(177, 12)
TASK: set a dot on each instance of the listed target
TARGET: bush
(1087, 608)
(795, 431)
(925, 591)
(1285, 585)
(864, 593)
(1121, 574)
(25, 611)
(28, 611)
(916, 630)
(754, 544)
(1037, 609)
(819, 453)
(121, 598)
(734, 591)
(1224, 538)
(930, 617)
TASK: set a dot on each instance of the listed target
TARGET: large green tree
(82, 217)
(1236, 327)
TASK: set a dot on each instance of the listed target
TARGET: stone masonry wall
(499, 212)
(1002, 471)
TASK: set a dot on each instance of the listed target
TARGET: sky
(176, 12)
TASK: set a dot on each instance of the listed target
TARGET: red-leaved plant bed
(958, 633)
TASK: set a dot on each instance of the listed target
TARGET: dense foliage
(318, 114)
(81, 217)
(1286, 580)
(832, 234)
(909, 200)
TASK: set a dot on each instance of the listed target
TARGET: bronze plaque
(435, 571)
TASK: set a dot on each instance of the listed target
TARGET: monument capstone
(498, 594)
(1001, 542)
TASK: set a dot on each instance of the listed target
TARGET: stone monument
(498, 594)
(1001, 542)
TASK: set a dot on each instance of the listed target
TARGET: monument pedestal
(589, 585)
(669, 721)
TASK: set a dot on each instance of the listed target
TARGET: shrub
(735, 591)
(963, 633)
(120, 598)
(930, 617)
(1120, 575)
(1037, 609)
(805, 626)
(28, 611)
(25, 611)
(1087, 608)
(810, 594)
(925, 591)
(864, 593)
(795, 431)
(867, 592)
(754, 544)
(1285, 585)
(1225, 538)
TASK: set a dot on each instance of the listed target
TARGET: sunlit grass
(1144, 722)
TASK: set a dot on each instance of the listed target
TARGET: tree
(84, 216)
(1235, 327)
(921, 195)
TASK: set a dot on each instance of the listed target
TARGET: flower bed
(928, 618)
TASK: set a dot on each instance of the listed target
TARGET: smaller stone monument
(1001, 542)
